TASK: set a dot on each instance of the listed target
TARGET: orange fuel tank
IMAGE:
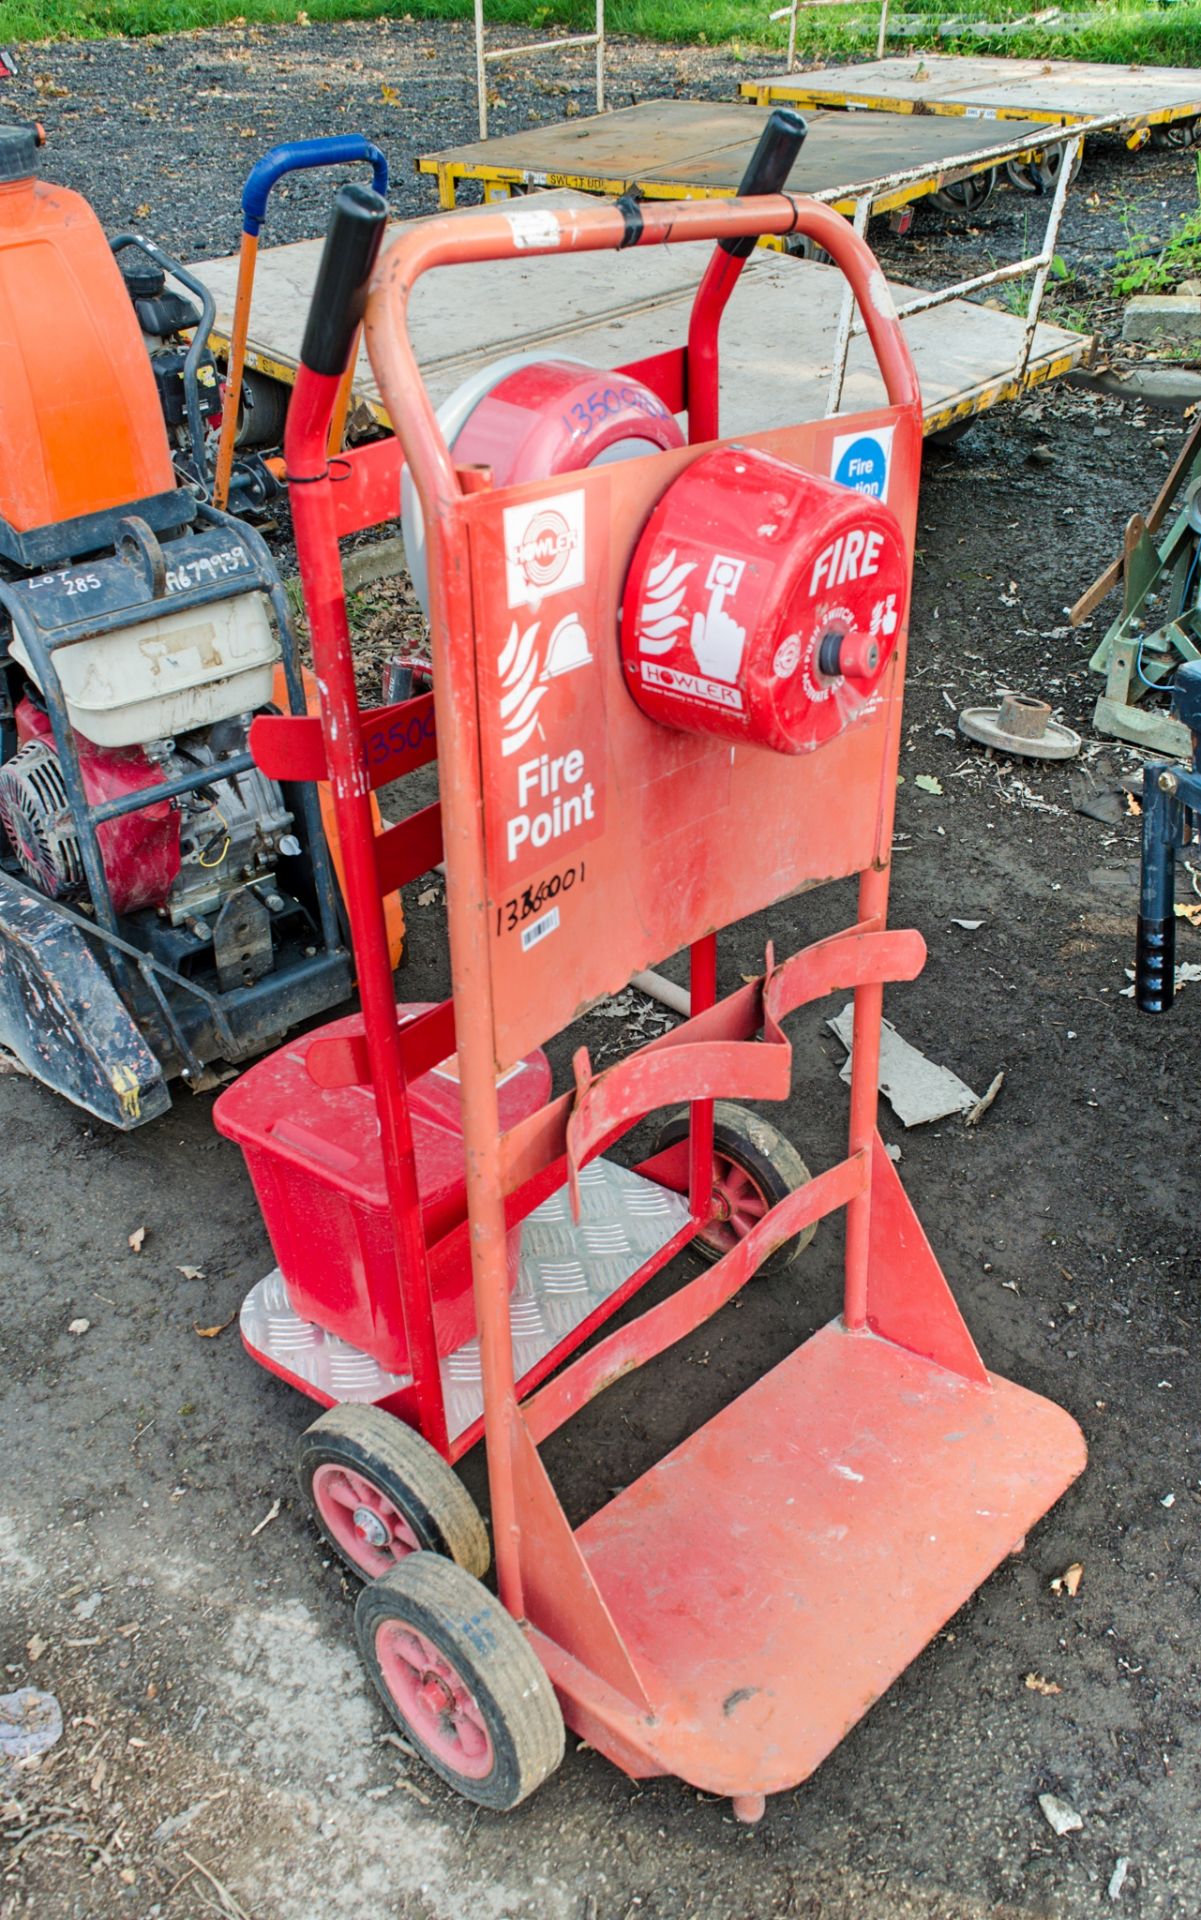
(81, 429)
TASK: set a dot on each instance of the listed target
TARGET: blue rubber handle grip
(292, 155)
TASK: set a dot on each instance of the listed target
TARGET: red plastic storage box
(315, 1161)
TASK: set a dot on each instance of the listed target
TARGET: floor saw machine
(164, 905)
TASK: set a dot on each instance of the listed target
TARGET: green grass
(1143, 266)
(1168, 35)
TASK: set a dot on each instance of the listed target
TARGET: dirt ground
(221, 1752)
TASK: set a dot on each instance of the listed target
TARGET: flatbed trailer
(609, 313)
(1055, 92)
(691, 149)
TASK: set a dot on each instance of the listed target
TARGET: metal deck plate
(992, 89)
(610, 309)
(565, 1272)
(679, 149)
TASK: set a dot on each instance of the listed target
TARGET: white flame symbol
(518, 668)
(659, 618)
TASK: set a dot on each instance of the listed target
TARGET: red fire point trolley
(667, 694)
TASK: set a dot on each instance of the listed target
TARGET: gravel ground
(221, 1753)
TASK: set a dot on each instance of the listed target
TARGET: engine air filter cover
(763, 603)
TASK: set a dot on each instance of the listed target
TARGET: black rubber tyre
(484, 1717)
(801, 247)
(1041, 176)
(358, 1459)
(755, 1150)
(1176, 133)
(965, 197)
(952, 435)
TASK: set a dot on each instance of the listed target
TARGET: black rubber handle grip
(771, 163)
(352, 241)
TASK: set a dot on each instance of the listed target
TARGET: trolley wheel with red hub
(754, 1166)
(460, 1680)
(381, 1493)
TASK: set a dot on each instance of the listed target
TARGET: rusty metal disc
(1020, 725)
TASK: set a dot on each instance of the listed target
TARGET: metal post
(882, 36)
(600, 56)
(481, 75)
(846, 316)
(792, 16)
(1070, 151)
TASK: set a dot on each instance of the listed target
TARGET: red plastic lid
(276, 1107)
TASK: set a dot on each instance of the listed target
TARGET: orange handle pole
(337, 425)
(247, 259)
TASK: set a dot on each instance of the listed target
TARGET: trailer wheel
(965, 197)
(1175, 133)
(754, 1166)
(381, 1493)
(460, 1680)
(1041, 175)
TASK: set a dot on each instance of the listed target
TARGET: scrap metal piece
(1020, 725)
(917, 1089)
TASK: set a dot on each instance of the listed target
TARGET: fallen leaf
(969, 926)
(142, 212)
(137, 1239)
(927, 783)
(1132, 807)
(389, 95)
(78, 1326)
(271, 1514)
(210, 1333)
(1037, 1684)
(36, 1647)
(427, 897)
(1189, 910)
(1069, 1581)
(191, 1273)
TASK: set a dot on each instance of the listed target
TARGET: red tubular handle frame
(528, 232)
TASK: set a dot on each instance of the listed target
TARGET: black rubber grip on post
(352, 241)
(771, 163)
(1155, 965)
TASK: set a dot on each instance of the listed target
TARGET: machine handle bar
(771, 163)
(292, 155)
(352, 242)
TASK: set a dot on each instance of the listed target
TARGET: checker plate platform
(565, 1272)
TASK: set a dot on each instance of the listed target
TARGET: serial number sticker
(512, 913)
(531, 935)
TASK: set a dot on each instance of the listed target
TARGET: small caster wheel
(460, 1680)
(754, 1166)
(380, 1493)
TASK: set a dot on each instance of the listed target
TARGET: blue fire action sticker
(861, 461)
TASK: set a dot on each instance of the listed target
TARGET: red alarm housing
(763, 603)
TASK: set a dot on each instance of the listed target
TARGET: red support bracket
(395, 740)
(661, 1326)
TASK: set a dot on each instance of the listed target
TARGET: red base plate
(774, 1574)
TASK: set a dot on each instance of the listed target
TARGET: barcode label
(539, 929)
